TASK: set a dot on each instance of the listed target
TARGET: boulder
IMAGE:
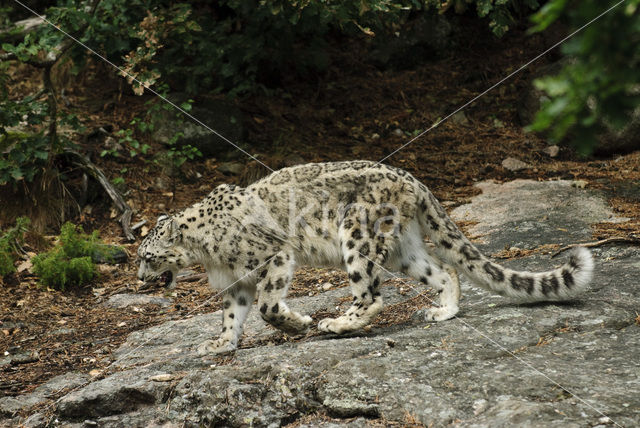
(499, 363)
(527, 213)
(12, 405)
(513, 164)
(120, 301)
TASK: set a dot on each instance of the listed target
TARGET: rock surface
(498, 364)
(42, 394)
(552, 151)
(527, 213)
(124, 300)
(513, 164)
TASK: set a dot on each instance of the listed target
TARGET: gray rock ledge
(499, 364)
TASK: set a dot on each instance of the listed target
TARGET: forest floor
(353, 111)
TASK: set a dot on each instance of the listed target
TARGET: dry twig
(631, 239)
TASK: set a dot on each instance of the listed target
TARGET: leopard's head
(160, 253)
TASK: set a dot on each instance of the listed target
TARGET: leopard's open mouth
(166, 278)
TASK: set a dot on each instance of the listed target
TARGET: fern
(72, 262)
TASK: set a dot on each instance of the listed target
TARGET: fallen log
(17, 32)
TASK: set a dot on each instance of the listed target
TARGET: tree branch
(95, 172)
(631, 239)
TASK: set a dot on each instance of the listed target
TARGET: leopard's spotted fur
(362, 216)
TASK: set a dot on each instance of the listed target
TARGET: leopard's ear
(162, 217)
(174, 233)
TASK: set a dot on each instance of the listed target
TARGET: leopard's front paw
(440, 314)
(305, 323)
(296, 325)
(335, 325)
(216, 347)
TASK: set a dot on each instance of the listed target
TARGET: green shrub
(230, 46)
(599, 86)
(58, 271)
(76, 244)
(9, 243)
(72, 261)
(23, 154)
(235, 46)
(239, 46)
(6, 262)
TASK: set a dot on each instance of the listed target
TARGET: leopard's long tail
(456, 250)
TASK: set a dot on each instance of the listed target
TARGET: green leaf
(548, 14)
(17, 174)
(41, 154)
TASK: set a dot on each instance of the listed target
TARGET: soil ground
(354, 111)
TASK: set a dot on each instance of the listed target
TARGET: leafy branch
(597, 89)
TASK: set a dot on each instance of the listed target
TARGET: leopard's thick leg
(449, 288)
(235, 307)
(363, 256)
(441, 277)
(272, 289)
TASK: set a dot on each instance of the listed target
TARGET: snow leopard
(364, 217)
